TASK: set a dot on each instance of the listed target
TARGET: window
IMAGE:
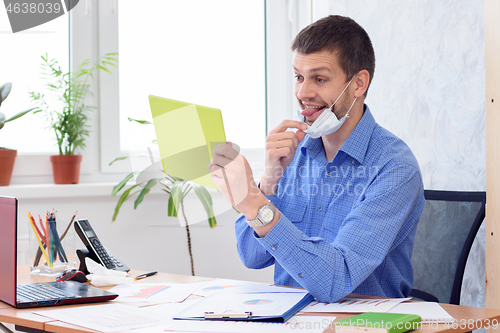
(205, 52)
(20, 61)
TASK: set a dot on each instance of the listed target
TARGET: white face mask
(327, 123)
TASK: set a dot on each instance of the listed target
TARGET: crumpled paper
(100, 276)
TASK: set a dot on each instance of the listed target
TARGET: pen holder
(59, 256)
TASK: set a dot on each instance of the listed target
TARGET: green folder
(379, 322)
(186, 134)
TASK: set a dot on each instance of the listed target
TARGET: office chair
(445, 233)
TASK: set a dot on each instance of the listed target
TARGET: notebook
(187, 134)
(34, 294)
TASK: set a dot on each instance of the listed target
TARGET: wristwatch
(264, 216)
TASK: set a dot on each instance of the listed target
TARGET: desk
(25, 319)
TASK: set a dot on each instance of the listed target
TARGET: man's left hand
(233, 176)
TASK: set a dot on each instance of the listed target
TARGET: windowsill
(33, 191)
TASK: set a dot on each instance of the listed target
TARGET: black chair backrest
(445, 233)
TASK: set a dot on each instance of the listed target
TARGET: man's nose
(305, 90)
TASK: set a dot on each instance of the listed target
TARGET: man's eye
(298, 77)
(320, 80)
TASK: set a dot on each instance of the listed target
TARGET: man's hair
(343, 36)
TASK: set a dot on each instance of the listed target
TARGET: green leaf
(20, 114)
(175, 198)
(206, 201)
(143, 122)
(104, 69)
(118, 159)
(172, 211)
(120, 185)
(4, 91)
(145, 190)
(123, 198)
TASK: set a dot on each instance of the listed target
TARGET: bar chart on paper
(352, 305)
(155, 293)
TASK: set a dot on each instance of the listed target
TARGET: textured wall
(429, 89)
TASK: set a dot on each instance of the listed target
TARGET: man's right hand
(280, 151)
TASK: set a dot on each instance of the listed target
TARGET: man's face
(319, 81)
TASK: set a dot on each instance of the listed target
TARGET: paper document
(186, 134)
(355, 305)
(430, 312)
(105, 318)
(153, 292)
(224, 286)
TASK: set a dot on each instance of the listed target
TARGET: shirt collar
(355, 145)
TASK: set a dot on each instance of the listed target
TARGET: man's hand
(280, 151)
(233, 176)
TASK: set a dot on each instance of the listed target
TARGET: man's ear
(361, 82)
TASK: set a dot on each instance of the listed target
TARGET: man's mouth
(310, 111)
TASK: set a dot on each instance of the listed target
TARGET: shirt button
(320, 207)
(301, 275)
(274, 247)
(328, 174)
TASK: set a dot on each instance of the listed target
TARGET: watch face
(266, 215)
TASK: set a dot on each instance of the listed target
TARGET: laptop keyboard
(39, 292)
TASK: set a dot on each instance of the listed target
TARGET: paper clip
(212, 315)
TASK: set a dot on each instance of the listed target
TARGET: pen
(145, 275)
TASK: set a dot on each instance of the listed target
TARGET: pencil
(40, 244)
(60, 250)
(36, 227)
(69, 226)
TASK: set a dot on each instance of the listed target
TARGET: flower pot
(7, 159)
(66, 168)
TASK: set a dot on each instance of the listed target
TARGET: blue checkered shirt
(346, 226)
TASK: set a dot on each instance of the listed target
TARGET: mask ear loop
(343, 92)
(347, 113)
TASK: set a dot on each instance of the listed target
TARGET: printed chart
(155, 293)
(257, 301)
(218, 288)
(352, 305)
(147, 292)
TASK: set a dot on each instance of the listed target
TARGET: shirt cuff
(274, 199)
(282, 239)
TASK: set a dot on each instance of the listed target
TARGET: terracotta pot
(7, 159)
(66, 168)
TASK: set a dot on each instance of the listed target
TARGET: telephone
(95, 250)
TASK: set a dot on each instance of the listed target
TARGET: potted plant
(7, 156)
(176, 188)
(67, 112)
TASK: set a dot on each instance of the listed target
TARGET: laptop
(34, 294)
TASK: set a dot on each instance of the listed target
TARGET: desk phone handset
(95, 250)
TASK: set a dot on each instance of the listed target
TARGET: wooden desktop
(468, 318)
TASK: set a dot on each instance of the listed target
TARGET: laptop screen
(8, 249)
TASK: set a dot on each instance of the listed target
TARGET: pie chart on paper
(213, 288)
(257, 301)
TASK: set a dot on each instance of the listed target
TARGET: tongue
(310, 112)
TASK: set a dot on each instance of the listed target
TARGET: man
(347, 197)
